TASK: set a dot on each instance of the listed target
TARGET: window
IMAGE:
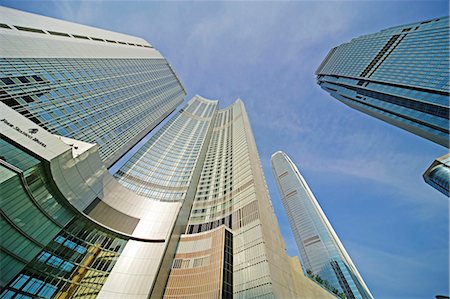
(7, 81)
(28, 29)
(185, 264)
(177, 263)
(58, 33)
(4, 26)
(23, 79)
(93, 38)
(80, 36)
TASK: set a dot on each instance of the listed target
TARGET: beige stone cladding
(197, 269)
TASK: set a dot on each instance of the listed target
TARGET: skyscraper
(84, 83)
(322, 253)
(438, 174)
(399, 75)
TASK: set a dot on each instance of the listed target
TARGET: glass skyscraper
(189, 215)
(163, 176)
(438, 174)
(323, 255)
(399, 75)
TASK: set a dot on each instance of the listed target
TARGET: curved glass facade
(322, 253)
(65, 222)
(162, 168)
(213, 203)
(438, 175)
(48, 250)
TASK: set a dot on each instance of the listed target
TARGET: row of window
(63, 34)
(169, 157)
(105, 101)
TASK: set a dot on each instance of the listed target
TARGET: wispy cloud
(400, 273)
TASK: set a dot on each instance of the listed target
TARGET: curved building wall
(438, 175)
(163, 174)
(84, 83)
(48, 250)
(321, 250)
(203, 266)
(163, 167)
(226, 195)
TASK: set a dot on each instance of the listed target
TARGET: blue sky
(366, 174)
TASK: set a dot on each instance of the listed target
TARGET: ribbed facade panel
(163, 167)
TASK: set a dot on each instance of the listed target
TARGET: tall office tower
(438, 174)
(84, 83)
(399, 75)
(322, 253)
(232, 246)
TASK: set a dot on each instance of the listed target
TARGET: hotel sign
(27, 132)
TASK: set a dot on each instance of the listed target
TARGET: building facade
(438, 175)
(203, 266)
(323, 255)
(399, 75)
(84, 83)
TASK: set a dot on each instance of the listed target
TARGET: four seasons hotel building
(189, 215)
